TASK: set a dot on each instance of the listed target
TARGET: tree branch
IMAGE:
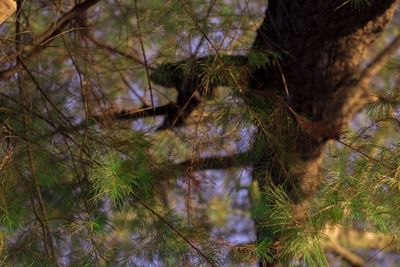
(347, 255)
(321, 48)
(217, 162)
(176, 231)
(43, 39)
(115, 50)
(136, 113)
(378, 63)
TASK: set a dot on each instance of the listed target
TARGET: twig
(170, 226)
(380, 60)
(136, 113)
(217, 162)
(348, 255)
(218, 56)
(144, 55)
(380, 250)
(47, 239)
(115, 50)
(367, 156)
(39, 116)
(39, 88)
(43, 39)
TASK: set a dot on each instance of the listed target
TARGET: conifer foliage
(198, 133)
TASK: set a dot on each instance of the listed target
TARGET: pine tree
(145, 133)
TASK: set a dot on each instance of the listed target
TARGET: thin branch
(136, 113)
(43, 39)
(347, 255)
(200, 43)
(42, 92)
(340, 239)
(57, 128)
(176, 231)
(218, 162)
(367, 156)
(380, 60)
(217, 55)
(47, 237)
(131, 89)
(83, 95)
(144, 55)
(382, 249)
(115, 50)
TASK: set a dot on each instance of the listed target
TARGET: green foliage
(257, 59)
(264, 251)
(99, 189)
(366, 194)
(118, 177)
(130, 169)
(298, 242)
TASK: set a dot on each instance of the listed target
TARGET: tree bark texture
(321, 46)
(314, 49)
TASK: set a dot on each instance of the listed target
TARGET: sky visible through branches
(93, 172)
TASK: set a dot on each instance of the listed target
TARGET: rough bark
(321, 44)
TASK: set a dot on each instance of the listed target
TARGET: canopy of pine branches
(199, 133)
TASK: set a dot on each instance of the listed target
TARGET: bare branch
(218, 162)
(43, 39)
(378, 63)
(175, 230)
(115, 50)
(144, 55)
(136, 113)
(348, 255)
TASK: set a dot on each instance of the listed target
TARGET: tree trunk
(321, 44)
(314, 50)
